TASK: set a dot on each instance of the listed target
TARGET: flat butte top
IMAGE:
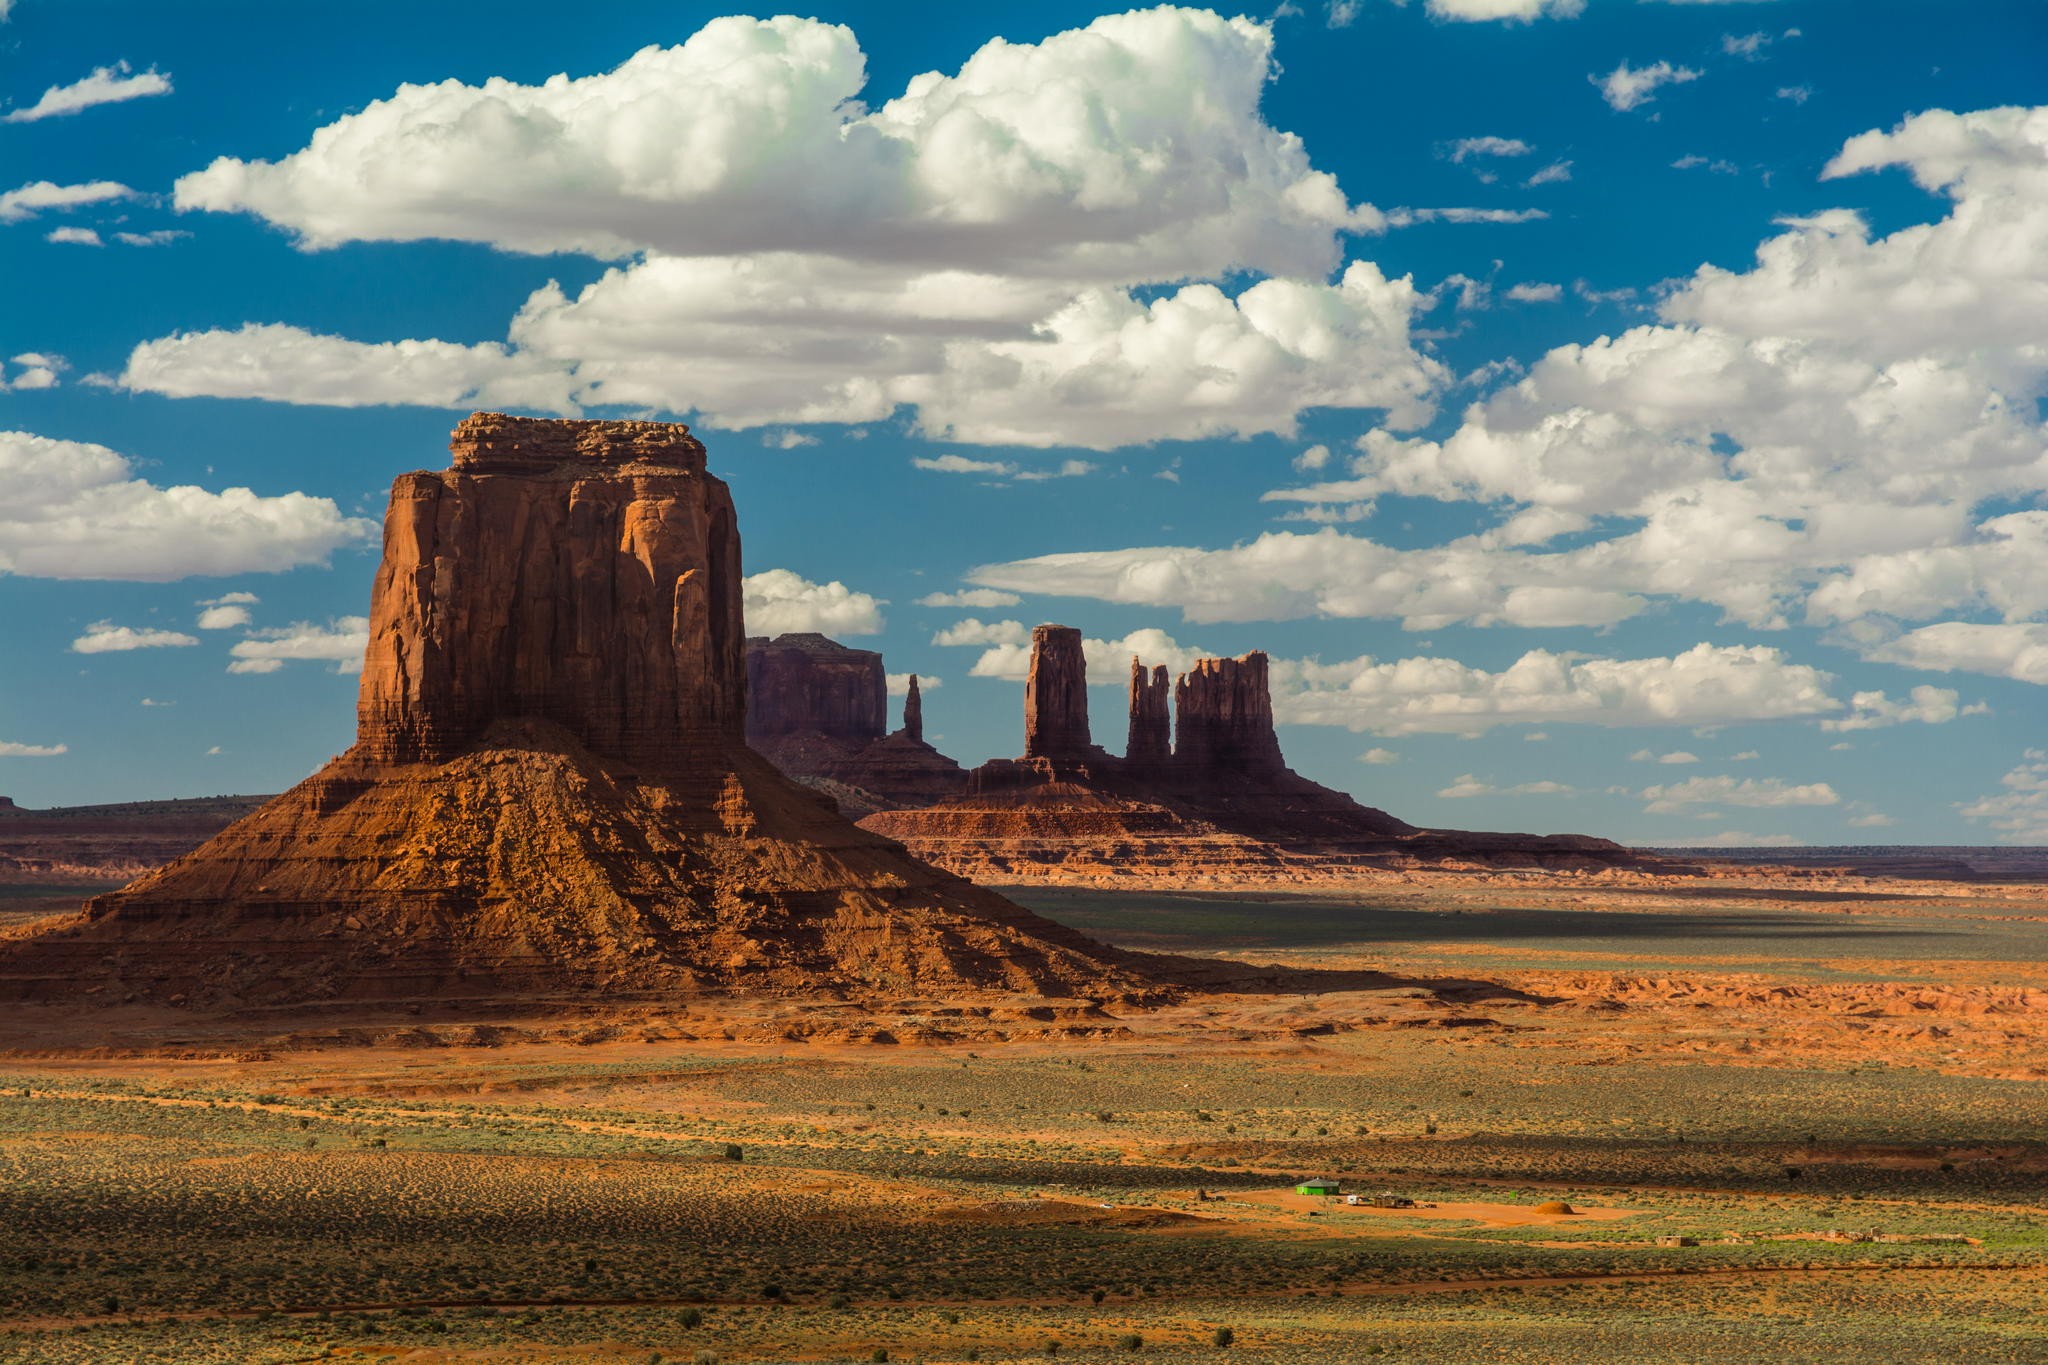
(493, 443)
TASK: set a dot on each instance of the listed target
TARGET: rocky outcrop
(1056, 697)
(816, 710)
(1223, 714)
(550, 797)
(804, 683)
(1150, 743)
(1221, 809)
(581, 573)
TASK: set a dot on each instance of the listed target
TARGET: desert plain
(1794, 1115)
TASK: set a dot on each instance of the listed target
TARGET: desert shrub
(1130, 1341)
(1224, 1336)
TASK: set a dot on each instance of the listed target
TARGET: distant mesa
(72, 846)
(1215, 806)
(818, 710)
(550, 795)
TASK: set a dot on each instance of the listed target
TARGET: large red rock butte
(549, 795)
(1220, 807)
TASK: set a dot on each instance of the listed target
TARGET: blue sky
(1428, 347)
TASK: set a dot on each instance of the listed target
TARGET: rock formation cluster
(1217, 807)
(550, 795)
(817, 710)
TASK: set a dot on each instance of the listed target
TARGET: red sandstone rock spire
(1224, 717)
(913, 712)
(1151, 739)
(1056, 696)
(584, 573)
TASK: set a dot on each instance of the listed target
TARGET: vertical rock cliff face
(808, 684)
(582, 573)
(550, 794)
(1056, 696)
(1150, 743)
(913, 712)
(1224, 712)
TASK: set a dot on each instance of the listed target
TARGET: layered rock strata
(1221, 808)
(549, 795)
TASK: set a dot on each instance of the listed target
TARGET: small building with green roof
(1322, 1185)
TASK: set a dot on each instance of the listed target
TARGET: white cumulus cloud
(1468, 786)
(1705, 685)
(12, 749)
(1764, 792)
(290, 364)
(1511, 11)
(340, 642)
(1924, 705)
(791, 255)
(39, 196)
(1626, 87)
(977, 632)
(106, 85)
(970, 597)
(2013, 650)
(104, 637)
(961, 464)
(223, 617)
(74, 510)
(1467, 147)
(778, 602)
(2019, 812)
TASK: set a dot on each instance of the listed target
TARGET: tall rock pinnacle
(584, 573)
(1056, 696)
(1223, 714)
(913, 711)
(1151, 740)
